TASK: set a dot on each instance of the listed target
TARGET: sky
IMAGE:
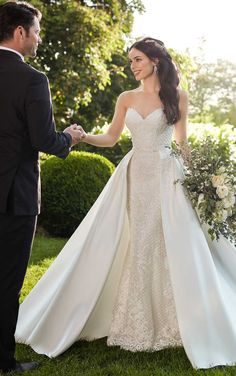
(182, 24)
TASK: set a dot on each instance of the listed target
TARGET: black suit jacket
(26, 127)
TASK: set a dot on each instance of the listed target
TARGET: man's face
(31, 39)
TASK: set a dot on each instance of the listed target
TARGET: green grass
(95, 358)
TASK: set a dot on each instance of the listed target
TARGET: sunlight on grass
(44, 252)
(33, 275)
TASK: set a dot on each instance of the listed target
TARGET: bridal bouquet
(210, 184)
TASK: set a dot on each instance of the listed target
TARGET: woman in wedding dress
(140, 269)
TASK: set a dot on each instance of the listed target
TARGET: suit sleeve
(41, 125)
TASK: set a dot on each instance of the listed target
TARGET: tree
(212, 88)
(79, 40)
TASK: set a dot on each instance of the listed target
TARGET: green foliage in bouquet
(224, 137)
(69, 189)
(210, 183)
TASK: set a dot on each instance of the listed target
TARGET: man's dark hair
(14, 14)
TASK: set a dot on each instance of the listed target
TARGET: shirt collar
(10, 49)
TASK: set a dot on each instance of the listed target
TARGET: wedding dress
(139, 269)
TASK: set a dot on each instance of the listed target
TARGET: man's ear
(19, 33)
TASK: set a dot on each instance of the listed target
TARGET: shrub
(69, 189)
(225, 135)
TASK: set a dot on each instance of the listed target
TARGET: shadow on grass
(45, 248)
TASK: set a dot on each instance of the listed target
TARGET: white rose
(226, 202)
(217, 180)
(222, 191)
(222, 215)
(229, 200)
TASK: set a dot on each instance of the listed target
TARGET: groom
(26, 127)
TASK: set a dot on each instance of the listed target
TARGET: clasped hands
(77, 133)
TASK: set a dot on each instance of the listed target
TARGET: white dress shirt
(10, 49)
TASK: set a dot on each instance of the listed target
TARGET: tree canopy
(79, 41)
(84, 54)
(212, 88)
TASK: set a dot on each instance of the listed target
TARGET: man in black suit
(26, 127)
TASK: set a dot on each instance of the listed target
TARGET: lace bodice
(151, 133)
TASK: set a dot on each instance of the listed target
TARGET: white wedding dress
(140, 269)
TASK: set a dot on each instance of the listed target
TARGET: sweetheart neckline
(150, 113)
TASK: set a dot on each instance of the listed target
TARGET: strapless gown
(140, 269)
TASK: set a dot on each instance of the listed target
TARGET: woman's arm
(113, 133)
(180, 129)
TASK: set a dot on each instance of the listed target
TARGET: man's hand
(76, 132)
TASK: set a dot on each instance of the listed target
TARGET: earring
(155, 69)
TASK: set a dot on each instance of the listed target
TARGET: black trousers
(16, 235)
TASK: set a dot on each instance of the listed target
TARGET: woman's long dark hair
(167, 74)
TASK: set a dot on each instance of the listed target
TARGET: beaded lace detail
(144, 317)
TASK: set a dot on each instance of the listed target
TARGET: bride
(140, 269)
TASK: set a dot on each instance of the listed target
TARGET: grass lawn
(95, 358)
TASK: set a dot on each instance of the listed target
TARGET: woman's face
(141, 66)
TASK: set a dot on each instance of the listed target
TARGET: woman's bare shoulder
(127, 96)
